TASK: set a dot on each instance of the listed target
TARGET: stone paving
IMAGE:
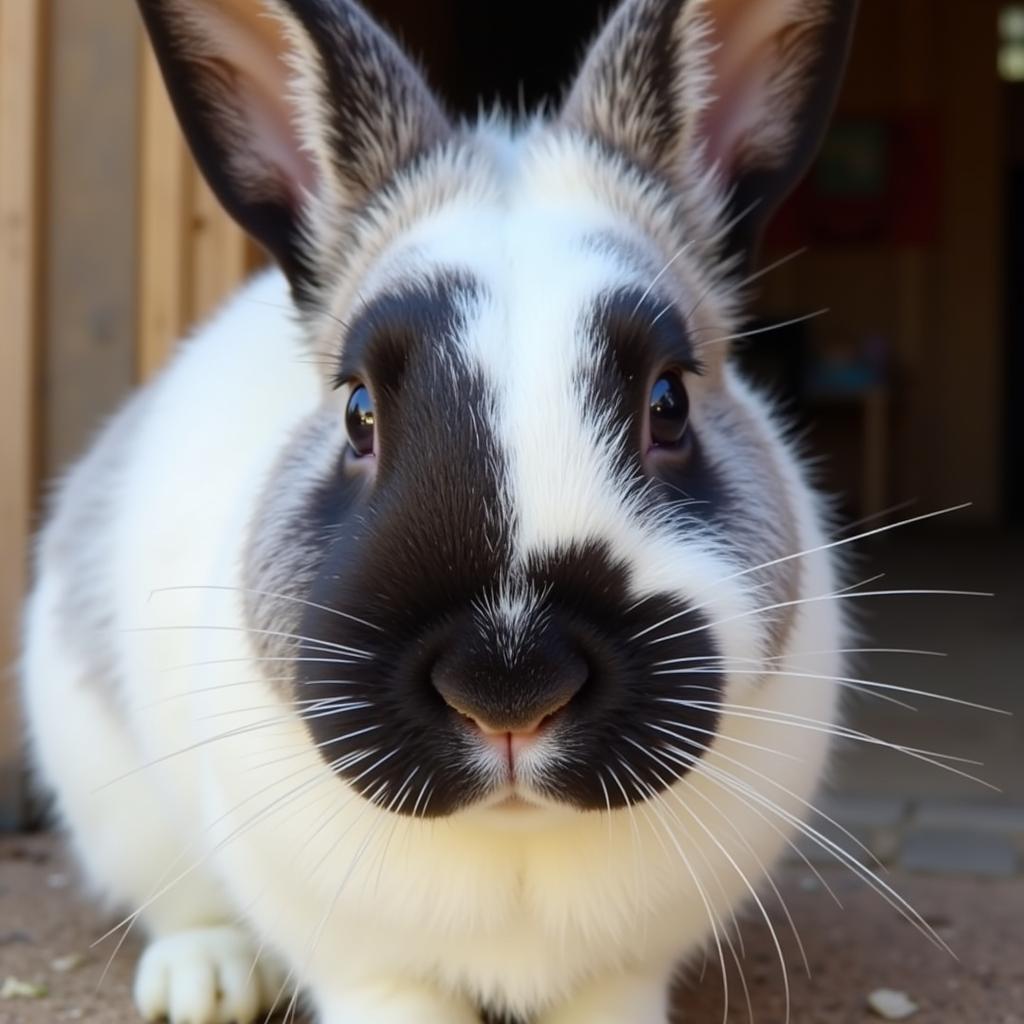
(984, 839)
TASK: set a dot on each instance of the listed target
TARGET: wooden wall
(111, 246)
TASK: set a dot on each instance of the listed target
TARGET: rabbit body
(223, 550)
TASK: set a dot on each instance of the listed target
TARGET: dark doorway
(477, 53)
(520, 52)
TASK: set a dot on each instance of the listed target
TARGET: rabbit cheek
(396, 557)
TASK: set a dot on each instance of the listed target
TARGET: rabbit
(446, 634)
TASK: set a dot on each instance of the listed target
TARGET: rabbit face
(525, 520)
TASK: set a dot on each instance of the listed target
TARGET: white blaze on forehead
(534, 340)
(529, 333)
(529, 338)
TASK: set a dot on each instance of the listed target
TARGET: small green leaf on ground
(15, 988)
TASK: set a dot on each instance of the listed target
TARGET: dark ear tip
(375, 110)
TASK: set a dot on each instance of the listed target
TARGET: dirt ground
(46, 931)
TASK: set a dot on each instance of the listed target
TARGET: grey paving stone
(952, 851)
(856, 811)
(885, 843)
(820, 855)
(985, 815)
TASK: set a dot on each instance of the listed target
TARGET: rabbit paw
(205, 976)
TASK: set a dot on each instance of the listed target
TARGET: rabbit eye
(360, 420)
(669, 411)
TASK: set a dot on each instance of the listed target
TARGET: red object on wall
(878, 181)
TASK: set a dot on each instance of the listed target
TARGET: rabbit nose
(503, 695)
(491, 722)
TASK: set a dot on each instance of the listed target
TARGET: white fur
(205, 974)
(562, 917)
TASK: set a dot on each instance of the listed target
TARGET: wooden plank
(165, 186)
(90, 273)
(219, 253)
(21, 27)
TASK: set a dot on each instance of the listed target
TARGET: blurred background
(908, 392)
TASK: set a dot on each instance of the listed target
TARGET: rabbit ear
(747, 86)
(290, 104)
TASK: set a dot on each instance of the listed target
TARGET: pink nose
(513, 744)
(526, 731)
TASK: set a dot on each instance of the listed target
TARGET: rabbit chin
(518, 808)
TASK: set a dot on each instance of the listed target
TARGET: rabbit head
(538, 531)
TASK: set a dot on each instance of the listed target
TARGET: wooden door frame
(21, 103)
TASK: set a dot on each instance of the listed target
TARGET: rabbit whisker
(811, 725)
(785, 717)
(261, 815)
(128, 922)
(239, 731)
(660, 274)
(725, 667)
(841, 541)
(803, 554)
(318, 746)
(325, 644)
(731, 739)
(774, 658)
(837, 596)
(321, 311)
(747, 845)
(252, 903)
(206, 741)
(775, 828)
(278, 597)
(862, 685)
(634, 830)
(423, 789)
(701, 345)
(318, 931)
(702, 893)
(245, 682)
(650, 799)
(403, 792)
(309, 716)
(748, 280)
(325, 704)
(874, 516)
(228, 686)
(262, 661)
(749, 887)
(731, 783)
(806, 804)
